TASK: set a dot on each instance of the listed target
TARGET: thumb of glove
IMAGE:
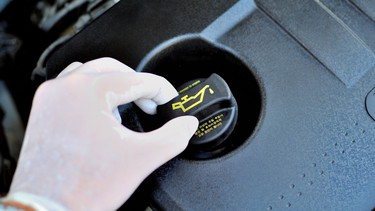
(171, 139)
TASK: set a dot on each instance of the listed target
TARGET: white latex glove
(75, 153)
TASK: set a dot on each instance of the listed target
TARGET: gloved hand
(76, 153)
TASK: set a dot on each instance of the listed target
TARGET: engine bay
(302, 75)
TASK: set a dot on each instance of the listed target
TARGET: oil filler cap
(211, 101)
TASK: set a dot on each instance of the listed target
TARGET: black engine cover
(306, 140)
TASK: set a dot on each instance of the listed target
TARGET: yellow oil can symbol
(189, 102)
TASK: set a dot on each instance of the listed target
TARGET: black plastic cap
(211, 101)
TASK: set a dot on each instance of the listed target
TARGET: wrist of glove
(28, 202)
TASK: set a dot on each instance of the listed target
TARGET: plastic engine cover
(300, 71)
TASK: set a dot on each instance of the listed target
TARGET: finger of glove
(69, 69)
(122, 88)
(103, 65)
(169, 140)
